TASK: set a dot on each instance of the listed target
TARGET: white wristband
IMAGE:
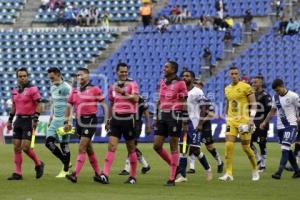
(252, 113)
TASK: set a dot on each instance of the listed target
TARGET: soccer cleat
(296, 175)
(255, 175)
(104, 179)
(62, 174)
(124, 173)
(289, 168)
(39, 170)
(15, 177)
(220, 168)
(209, 175)
(226, 177)
(72, 177)
(144, 170)
(191, 171)
(97, 178)
(261, 168)
(276, 176)
(130, 180)
(170, 183)
(181, 179)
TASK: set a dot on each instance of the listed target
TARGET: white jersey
(195, 96)
(288, 113)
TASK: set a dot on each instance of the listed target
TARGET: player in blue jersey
(59, 93)
(287, 104)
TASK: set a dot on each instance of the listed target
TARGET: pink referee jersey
(27, 100)
(85, 101)
(170, 95)
(121, 104)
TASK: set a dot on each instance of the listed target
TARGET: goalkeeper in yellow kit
(240, 110)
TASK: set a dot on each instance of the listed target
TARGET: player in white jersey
(287, 104)
(193, 137)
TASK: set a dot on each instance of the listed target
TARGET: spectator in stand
(83, 16)
(76, 10)
(52, 4)
(229, 21)
(283, 25)
(184, 14)
(205, 22)
(93, 16)
(277, 6)
(292, 27)
(45, 4)
(162, 24)
(207, 57)
(248, 21)
(61, 17)
(105, 21)
(60, 4)
(146, 14)
(175, 16)
(219, 6)
(70, 18)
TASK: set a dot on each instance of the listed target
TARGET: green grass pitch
(149, 186)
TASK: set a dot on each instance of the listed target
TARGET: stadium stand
(147, 50)
(198, 8)
(39, 49)
(272, 56)
(119, 10)
(10, 10)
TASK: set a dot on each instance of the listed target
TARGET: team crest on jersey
(86, 131)
(288, 101)
(29, 133)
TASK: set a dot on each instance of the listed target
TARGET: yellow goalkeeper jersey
(237, 102)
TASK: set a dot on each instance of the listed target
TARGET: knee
(246, 148)
(112, 147)
(196, 151)
(209, 147)
(50, 143)
(26, 148)
(17, 149)
(157, 148)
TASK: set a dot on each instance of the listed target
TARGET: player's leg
(93, 158)
(255, 138)
(64, 146)
(207, 139)
(263, 149)
(18, 159)
(245, 141)
(203, 161)
(286, 139)
(192, 159)
(174, 158)
(109, 158)
(231, 134)
(141, 158)
(132, 156)
(292, 156)
(39, 165)
(26, 141)
(182, 164)
(158, 147)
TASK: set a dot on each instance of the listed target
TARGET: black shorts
(206, 137)
(86, 126)
(123, 125)
(170, 124)
(22, 128)
(259, 135)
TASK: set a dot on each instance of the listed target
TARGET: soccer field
(149, 186)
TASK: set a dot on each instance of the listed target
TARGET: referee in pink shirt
(26, 106)
(123, 96)
(85, 100)
(171, 117)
